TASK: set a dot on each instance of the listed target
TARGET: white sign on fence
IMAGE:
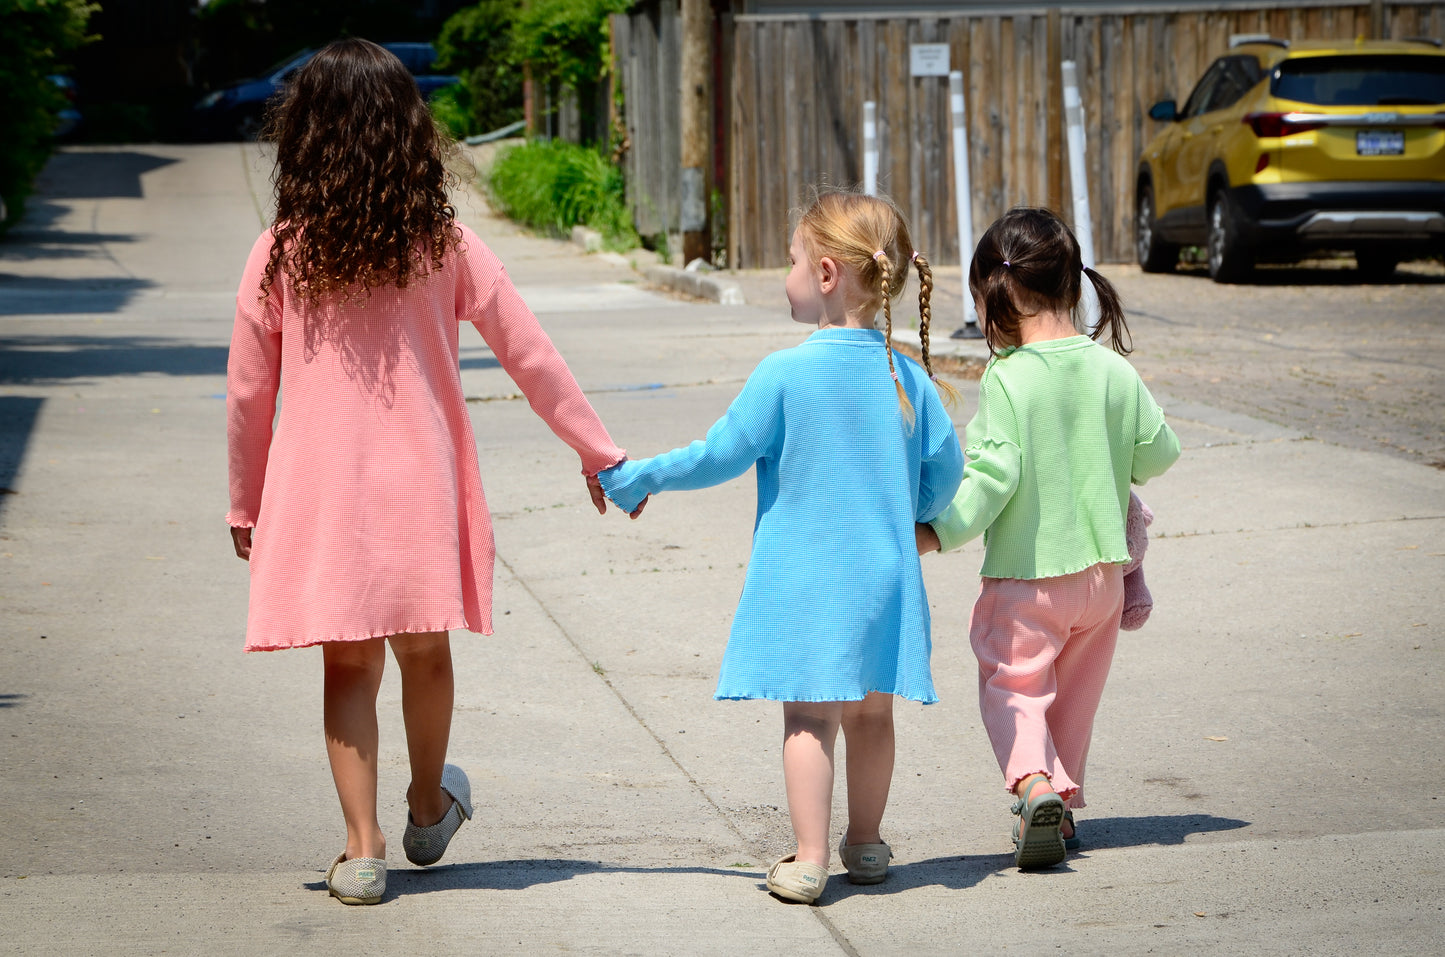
(928, 59)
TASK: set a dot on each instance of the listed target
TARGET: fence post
(696, 128)
(1078, 182)
(870, 148)
(963, 201)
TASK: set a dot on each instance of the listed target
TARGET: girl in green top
(1063, 426)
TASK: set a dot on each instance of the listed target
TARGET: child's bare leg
(868, 730)
(810, 729)
(353, 678)
(427, 692)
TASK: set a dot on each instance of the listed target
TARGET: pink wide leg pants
(1044, 648)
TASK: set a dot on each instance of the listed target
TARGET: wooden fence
(798, 85)
(647, 60)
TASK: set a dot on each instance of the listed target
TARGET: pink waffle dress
(366, 497)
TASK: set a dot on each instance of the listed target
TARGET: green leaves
(34, 36)
(554, 186)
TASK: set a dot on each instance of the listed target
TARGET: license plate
(1380, 143)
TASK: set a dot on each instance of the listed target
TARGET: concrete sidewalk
(1255, 783)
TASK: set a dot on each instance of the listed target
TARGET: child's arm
(1154, 456)
(253, 378)
(990, 476)
(734, 443)
(942, 467)
(1156, 447)
(993, 463)
(487, 299)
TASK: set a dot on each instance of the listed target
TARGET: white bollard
(1079, 185)
(963, 201)
(870, 148)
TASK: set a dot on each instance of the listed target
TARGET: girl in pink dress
(361, 511)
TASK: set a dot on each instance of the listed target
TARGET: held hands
(599, 498)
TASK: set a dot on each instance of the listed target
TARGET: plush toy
(1138, 603)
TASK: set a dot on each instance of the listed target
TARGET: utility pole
(696, 127)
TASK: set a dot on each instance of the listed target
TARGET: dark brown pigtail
(1111, 314)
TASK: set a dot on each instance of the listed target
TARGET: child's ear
(831, 273)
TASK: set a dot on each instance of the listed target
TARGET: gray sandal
(1037, 839)
(426, 845)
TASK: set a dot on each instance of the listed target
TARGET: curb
(697, 284)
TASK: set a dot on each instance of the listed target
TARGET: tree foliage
(35, 36)
(566, 40)
(476, 44)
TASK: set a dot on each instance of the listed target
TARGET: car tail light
(1278, 124)
(1263, 162)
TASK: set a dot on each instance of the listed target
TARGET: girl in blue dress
(852, 445)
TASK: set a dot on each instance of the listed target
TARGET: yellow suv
(1287, 148)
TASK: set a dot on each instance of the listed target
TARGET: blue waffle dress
(833, 606)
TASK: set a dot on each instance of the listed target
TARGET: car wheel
(1375, 265)
(1154, 254)
(1229, 259)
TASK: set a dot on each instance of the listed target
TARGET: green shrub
(476, 44)
(554, 186)
(450, 113)
(34, 34)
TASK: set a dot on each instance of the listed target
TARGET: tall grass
(554, 186)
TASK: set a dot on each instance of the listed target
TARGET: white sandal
(796, 881)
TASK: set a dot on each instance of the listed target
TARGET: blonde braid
(885, 270)
(925, 316)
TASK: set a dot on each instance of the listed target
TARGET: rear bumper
(1342, 215)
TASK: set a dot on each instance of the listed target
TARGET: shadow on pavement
(17, 421)
(519, 875)
(1109, 832)
(49, 296)
(38, 360)
(100, 174)
(38, 237)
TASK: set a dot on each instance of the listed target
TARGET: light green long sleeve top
(1062, 429)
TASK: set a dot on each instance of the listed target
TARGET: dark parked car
(238, 110)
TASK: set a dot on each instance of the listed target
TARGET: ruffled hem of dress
(719, 695)
(451, 625)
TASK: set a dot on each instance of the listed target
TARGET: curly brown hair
(361, 178)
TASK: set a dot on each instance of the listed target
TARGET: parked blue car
(237, 111)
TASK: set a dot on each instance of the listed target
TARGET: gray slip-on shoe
(426, 845)
(866, 863)
(796, 881)
(361, 880)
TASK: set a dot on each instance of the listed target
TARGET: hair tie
(1005, 264)
(933, 377)
(878, 256)
(895, 374)
(914, 258)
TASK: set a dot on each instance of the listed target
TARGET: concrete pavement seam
(832, 928)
